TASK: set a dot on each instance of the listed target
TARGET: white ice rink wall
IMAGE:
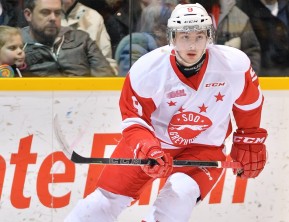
(38, 183)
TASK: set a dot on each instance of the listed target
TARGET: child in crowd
(12, 56)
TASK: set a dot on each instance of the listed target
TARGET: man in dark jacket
(270, 23)
(52, 50)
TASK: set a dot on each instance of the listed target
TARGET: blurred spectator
(154, 20)
(21, 21)
(153, 35)
(145, 3)
(172, 3)
(141, 44)
(79, 16)
(8, 12)
(12, 56)
(52, 50)
(155, 13)
(269, 19)
(116, 17)
(233, 28)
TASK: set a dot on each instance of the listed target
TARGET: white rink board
(82, 114)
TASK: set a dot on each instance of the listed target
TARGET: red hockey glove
(164, 161)
(249, 149)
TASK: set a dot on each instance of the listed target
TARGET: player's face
(45, 20)
(190, 45)
(12, 51)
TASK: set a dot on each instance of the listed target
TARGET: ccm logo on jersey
(215, 84)
(245, 139)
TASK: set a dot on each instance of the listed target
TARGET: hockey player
(176, 103)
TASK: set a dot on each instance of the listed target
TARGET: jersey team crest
(184, 127)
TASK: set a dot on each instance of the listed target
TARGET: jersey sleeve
(136, 112)
(248, 107)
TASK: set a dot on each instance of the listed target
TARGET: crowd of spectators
(105, 37)
(233, 28)
(269, 19)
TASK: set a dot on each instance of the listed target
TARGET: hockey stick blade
(76, 158)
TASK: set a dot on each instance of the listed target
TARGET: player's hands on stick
(164, 162)
(249, 149)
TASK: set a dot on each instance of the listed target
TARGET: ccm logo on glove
(249, 149)
(244, 139)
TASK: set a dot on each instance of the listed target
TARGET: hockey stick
(60, 138)
(76, 158)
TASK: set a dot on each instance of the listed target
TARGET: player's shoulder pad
(231, 58)
(148, 74)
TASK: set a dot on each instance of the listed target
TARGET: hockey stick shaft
(76, 158)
